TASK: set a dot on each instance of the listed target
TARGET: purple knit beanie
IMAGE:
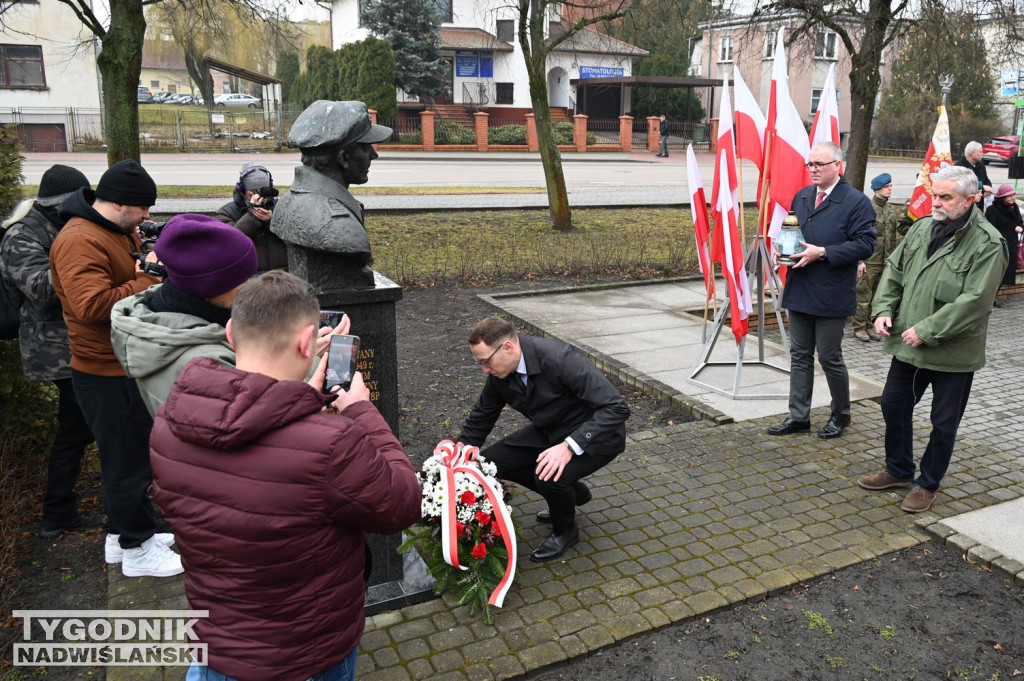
(205, 257)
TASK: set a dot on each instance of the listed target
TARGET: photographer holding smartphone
(271, 497)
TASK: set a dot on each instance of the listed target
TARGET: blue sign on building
(601, 71)
(467, 64)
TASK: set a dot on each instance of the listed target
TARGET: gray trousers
(663, 145)
(808, 333)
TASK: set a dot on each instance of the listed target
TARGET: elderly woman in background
(1006, 218)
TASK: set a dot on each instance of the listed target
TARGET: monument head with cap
(336, 140)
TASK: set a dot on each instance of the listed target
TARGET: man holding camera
(271, 496)
(250, 210)
(94, 263)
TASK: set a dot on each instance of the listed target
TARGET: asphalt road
(639, 176)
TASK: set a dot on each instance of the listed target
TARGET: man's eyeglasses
(814, 164)
(487, 362)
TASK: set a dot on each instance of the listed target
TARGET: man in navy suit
(838, 223)
(577, 422)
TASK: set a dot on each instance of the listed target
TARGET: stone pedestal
(395, 580)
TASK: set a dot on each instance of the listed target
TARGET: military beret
(341, 123)
(880, 181)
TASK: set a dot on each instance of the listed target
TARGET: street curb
(972, 551)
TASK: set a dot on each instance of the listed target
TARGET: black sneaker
(80, 523)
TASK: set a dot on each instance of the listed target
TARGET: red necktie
(821, 197)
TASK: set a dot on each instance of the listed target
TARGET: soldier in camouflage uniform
(43, 340)
(890, 226)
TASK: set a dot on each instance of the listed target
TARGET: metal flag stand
(757, 266)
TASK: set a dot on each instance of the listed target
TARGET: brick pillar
(653, 124)
(713, 148)
(531, 134)
(427, 129)
(626, 133)
(481, 126)
(373, 115)
(579, 132)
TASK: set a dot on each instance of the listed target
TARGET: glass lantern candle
(788, 244)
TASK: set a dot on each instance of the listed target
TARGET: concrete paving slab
(1000, 527)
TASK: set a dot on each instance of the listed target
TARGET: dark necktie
(520, 381)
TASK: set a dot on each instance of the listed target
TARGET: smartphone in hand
(341, 362)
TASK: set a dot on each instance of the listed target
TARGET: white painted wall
(72, 79)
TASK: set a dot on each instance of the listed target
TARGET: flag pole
(739, 178)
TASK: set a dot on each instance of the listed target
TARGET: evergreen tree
(287, 70)
(943, 42)
(413, 29)
(376, 75)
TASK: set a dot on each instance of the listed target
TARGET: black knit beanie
(58, 183)
(127, 183)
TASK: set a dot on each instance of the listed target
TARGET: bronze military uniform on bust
(318, 219)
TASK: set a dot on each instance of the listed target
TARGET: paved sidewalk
(694, 518)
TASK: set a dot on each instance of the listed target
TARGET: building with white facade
(47, 67)
(486, 68)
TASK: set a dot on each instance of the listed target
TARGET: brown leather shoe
(918, 501)
(862, 335)
(883, 480)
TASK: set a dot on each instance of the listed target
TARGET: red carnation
(483, 518)
(468, 498)
(459, 527)
(479, 551)
(495, 530)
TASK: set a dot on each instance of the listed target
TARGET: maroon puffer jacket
(269, 498)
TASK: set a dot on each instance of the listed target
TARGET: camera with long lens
(269, 195)
(149, 231)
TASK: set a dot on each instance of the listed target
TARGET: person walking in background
(890, 226)
(663, 141)
(1005, 217)
(933, 305)
(43, 341)
(251, 213)
(838, 223)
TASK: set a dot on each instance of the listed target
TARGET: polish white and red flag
(701, 222)
(726, 245)
(750, 123)
(938, 157)
(826, 120)
(789, 144)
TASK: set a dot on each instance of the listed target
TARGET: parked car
(145, 96)
(161, 96)
(238, 100)
(1000, 149)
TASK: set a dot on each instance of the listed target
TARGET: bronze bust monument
(318, 219)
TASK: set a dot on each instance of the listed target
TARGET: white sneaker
(152, 559)
(113, 553)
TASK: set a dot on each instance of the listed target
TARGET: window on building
(504, 93)
(825, 45)
(505, 30)
(770, 38)
(725, 51)
(155, 84)
(816, 98)
(22, 66)
(444, 7)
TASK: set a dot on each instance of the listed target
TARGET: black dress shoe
(583, 496)
(555, 545)
(834, 428)
(790, 426)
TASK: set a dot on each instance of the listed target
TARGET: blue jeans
(903, 390)
(343, 671)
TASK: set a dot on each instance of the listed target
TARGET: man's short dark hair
(270, 308)
(493, 331)
(322, 158)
